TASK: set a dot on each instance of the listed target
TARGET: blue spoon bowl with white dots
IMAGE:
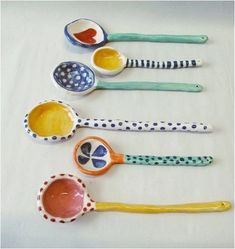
(77, 78)
(48, 115)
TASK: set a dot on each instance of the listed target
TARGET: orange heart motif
(86, 36)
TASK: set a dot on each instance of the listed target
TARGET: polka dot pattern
(169, 160)
(116, 124)
(74, 76)
(163, 126)
(51, 138)
(88, 204)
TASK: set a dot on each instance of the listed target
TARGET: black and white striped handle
(163, 64)
(125, 125)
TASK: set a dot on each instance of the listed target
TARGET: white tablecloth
(33, 44)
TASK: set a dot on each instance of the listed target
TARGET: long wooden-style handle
(218, 206)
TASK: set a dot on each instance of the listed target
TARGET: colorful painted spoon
(94, 156)
(109, 61)
(87, 33)
(77, 78)
(53, 121)
(63, 198)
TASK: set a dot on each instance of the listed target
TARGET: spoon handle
(125, 125)
(157, 38)
(169, 160)
(143, 85)
(130, 63)
(218, 206)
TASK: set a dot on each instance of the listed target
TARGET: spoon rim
(86, 199)
(76, 42)
(52, 138)
(99, 171)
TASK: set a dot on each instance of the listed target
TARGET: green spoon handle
(143, 85)
(168, 160)
(157, 38)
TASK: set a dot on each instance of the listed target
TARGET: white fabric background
(33, 43)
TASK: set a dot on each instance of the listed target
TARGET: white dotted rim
(55, 138)
(88, 203)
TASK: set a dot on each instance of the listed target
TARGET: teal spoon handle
(168, 160)
(143, 85)
(157, 38)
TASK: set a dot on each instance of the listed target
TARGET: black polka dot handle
(130, 63)
(124, 125)
(169, 160)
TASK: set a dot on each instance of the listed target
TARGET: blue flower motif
(100, 151)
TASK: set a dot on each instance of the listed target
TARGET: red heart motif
(86, 36)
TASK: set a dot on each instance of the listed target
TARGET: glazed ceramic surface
(94, 156)
(109, 61)
(63, 198)
(54, 121)
(87, 33)
(77, 78)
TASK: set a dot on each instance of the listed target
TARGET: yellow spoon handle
(218, 206)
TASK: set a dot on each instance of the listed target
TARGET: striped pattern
(162, 64)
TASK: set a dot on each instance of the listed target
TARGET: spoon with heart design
(94, 156)
(63, 198)
(79, 79)
(109, 61)
(89, 34)
(53, 121)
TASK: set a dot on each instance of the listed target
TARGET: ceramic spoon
(87, 33)
(63, 198)
(109, 61)
(94, 156)
(79, 79)
(53, 120)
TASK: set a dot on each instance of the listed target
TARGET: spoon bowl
(86, 33)
(94, 156)
(74, 77)
(51, 121)
(63, 198)
(108, 61)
